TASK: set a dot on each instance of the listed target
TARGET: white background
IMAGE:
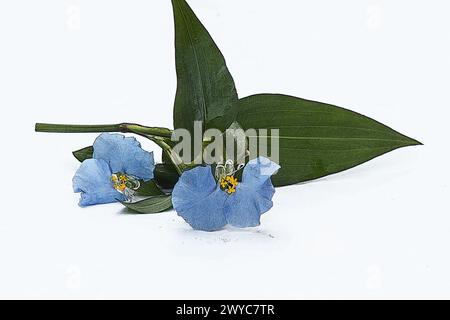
(381, 230)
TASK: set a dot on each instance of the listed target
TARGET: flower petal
(258, 171)
(253, 195)
(93, 180)
(198, 200)
(124, 154)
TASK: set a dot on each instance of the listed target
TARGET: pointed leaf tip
(205, 88)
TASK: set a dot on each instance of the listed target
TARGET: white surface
(381, 230)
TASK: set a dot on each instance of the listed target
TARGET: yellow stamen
(119, 182)
(231, 190)
(228, 184)
(233, 181)
(223, 183)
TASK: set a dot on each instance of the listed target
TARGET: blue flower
(113, 173)
(93, 180)
(209, 205)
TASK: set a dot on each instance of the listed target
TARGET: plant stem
(158, 135)
(161, 142)
(122, 127)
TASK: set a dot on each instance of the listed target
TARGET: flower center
(228, 184)
(125, 184)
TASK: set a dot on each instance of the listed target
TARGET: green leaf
(83, 154)
(205, 88)
(151, 205)
(317, 139)
(148, 188)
